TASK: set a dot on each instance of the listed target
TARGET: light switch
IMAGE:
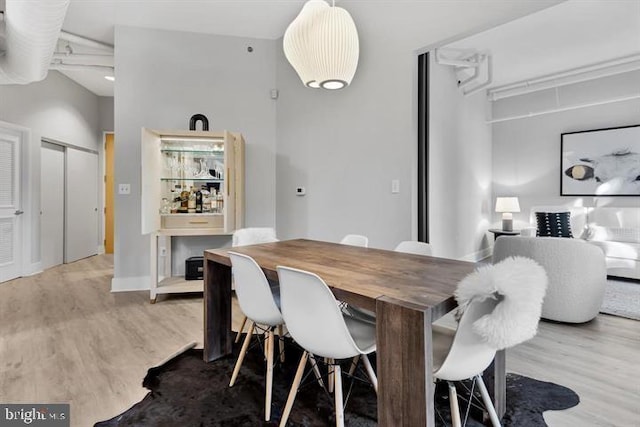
(124, 188)
(395, 186)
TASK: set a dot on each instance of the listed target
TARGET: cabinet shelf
(194, 214)
(219, 154)
(193, 179)
(178, 284)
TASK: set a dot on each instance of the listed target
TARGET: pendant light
(298, 38)
(322, 45)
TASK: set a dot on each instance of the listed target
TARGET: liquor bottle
(198, 201)
(184, 202)
(191, 203)
(220, 202)
(206, 200)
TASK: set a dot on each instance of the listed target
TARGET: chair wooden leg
(453, 404)
(354, 365)
(316, 370)
(243, 351)
(281, 342)
(270, 344)
(330, 369)
(338, 396)
(495, 421)
(370, 372)
(244, 321)
(294, 390)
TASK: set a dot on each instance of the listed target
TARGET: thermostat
(300, 191)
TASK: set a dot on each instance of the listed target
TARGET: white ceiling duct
(31, 33)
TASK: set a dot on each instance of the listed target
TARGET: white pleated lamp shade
(297, 42)
(336, 48)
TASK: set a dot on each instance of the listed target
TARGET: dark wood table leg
(405, 364)
(218, 341)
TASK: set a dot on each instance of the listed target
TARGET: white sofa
(614, 230)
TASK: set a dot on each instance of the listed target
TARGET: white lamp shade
(336, 47)
(507, 204)
(322, 45)
(298, 40)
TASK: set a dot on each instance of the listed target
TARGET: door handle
(18, 212)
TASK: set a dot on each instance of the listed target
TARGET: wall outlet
(124, 188)
(300, 191)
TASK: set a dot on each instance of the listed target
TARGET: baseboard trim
(479, 255)
(128, 284)
(34, 268)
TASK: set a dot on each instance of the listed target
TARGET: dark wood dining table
(407, 292)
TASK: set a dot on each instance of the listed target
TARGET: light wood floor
(65, 338)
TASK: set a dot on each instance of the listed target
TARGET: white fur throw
(520, 283)
(254, 236)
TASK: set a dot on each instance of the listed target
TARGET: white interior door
(52, 205)
(10, 205)
(81, 225)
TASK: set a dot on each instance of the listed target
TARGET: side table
(497, 233)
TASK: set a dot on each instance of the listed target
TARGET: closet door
(52, 205)
(10, 205)
(81, 228)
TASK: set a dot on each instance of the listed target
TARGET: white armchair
(576, 270)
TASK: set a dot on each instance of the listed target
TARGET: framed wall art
(601, 162)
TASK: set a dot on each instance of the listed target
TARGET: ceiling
(569, 35)
(558, 37)
(96, 20)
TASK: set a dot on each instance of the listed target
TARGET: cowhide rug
(187, 392)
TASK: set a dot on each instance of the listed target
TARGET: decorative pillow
(553, 224)
(617, 234)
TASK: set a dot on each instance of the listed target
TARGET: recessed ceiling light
(110, 78)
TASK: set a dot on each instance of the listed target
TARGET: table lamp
(507, 205)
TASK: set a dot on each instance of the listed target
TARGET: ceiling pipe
(31, 34)
(466, 59)
(83, 41)
(82, 58)
(562, 109)
(81, 67)
(489, 80)
(574, 75)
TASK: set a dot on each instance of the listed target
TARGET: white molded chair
(251, 236)
(316, 323)
(254, 236)
(408, 247)
(414, 247)
(501, 308)
(355, 240)
(467, 357)
(262, 308)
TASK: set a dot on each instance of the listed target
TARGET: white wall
(459, 168)
(55, 108)
(165, 77)
(105, 109)
(346, 146)
(526, 152)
